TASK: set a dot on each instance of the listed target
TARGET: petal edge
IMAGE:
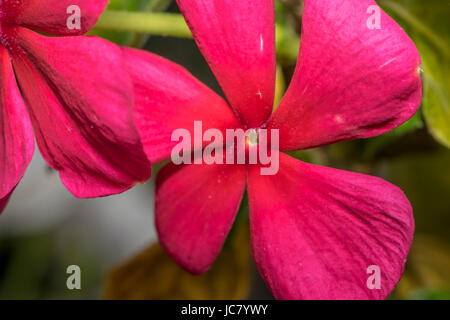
(350, 81)
(81, 112)
(195, 208)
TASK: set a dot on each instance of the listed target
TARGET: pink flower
(78, 98)
(315, 231)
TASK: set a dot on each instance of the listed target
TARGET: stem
(162, 24)
(174, 25)
(417, 24)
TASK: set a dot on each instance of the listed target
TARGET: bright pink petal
(350, 81)
(237, 39)
(16, 132)
(195, 208)
(80, 98)
(53, 16)
(315, 231)
(167, 97)
(4, 201)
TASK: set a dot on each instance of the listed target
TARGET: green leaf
(428, 25)
(436, 108)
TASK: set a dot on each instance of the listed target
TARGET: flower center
(252, 138)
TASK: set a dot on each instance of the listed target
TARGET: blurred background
(44, 229)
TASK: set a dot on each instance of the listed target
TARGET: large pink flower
(314, 230)
(78, 98)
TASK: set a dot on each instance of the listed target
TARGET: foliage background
(44, 229)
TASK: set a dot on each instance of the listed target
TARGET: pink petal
(350, 81)
(80, 99)
(167, 97)
(53, 16)
(237, 39)
(195, 208)
(316, 231)
(16, 133)
(4, 201)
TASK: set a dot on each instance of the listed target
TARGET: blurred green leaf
(34, 267)
(428, 25)
(430, 294)
(436, 107)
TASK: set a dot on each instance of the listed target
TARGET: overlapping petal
(351, 81)
(195, 209)
(53, 16)
(316, 231)
(167, 97)
(16, 133)
(237, 38)
(80, 99)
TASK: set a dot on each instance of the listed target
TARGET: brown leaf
(152, 274)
